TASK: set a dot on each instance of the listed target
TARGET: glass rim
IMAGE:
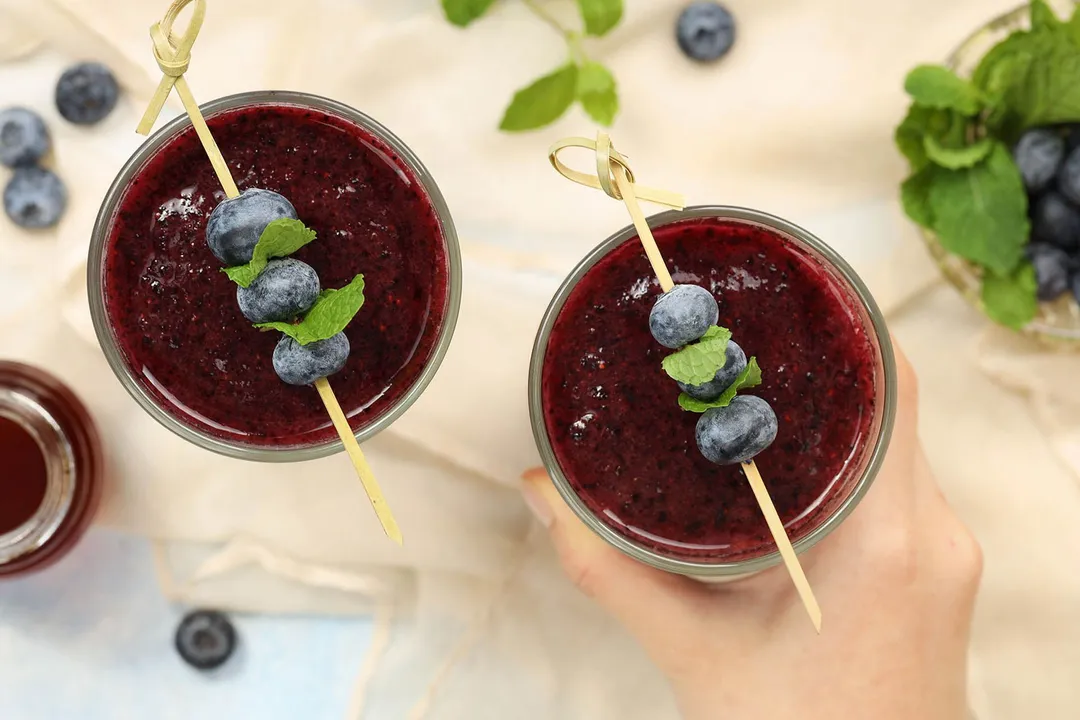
(641, 552)
(107, 339)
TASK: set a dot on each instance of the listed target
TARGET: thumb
(661, 609)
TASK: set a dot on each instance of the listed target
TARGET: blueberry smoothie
(179, 322)
(626, 447)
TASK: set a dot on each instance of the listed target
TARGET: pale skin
(897, 585)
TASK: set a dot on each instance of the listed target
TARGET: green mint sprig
(748, 378)
(964, 184)
(332, 312)
(698, 362)
(580, 79)
(279, 239)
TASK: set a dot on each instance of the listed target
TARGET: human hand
(896, 581)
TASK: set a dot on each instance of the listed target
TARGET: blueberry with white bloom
(234, 227)
(24, 139)
(734, 363)
(682, 315)
(1038, 155)
(298, 364)
(1053, 267)
(205, 639)
(1056, 221)
(705, 31)
(86, 93)
(35, 198)
(1069, 177)
(738, 432)
(284, 290)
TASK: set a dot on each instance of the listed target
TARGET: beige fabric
(797, 121)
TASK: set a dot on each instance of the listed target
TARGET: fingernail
(540, 508)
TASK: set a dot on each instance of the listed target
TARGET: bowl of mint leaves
(993, 142)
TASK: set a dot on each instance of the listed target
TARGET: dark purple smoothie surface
(627, 447)
(174, 313)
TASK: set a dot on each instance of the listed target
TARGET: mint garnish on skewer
(281, 238)
(699, 362)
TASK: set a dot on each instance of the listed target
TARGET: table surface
(100, 625)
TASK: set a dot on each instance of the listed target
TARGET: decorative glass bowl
(1057, 322)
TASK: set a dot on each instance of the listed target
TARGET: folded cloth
(476, 621)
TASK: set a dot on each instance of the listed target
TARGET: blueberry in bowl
(992, 139)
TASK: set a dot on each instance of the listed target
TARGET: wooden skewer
(610, 166)
(783, 543)
(173, 55)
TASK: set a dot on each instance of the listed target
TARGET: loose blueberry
(734, 363)
(205, 639)
(86, 93)
(1052, 270)
(682, 315)
(298, 364)
(1069, 178)
(1038, 155)
(24, 138)
(285, 289)
(35, 198)
(234, 227)
(705, 31)
(738, 432)
(1056, 221)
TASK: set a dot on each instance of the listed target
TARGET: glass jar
(1057, 324)
(857, 468)
(155, 397)
(51, 483)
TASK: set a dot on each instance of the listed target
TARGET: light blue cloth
(91, 638)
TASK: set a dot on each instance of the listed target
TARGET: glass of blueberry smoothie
(178, 331)
(664, 484)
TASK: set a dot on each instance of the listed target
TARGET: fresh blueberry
(205, 639)
(705, 31)
(285, 289)
(86, 93)
(738, 432)
(1038, 155)
(1052, 270)
(682, 315)
(734, 363)
(298, 364)
(24, 138)
(35, 198)
(1056, 221)
(1072, 138)
(1069, 178)
(234, 227)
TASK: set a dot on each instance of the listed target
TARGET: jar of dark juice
(50, 469)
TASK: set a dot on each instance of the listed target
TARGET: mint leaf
(956, 158)
(332, 312)
(600, 16)
(698, 362)
(748, 378)
(463, 12)
(543, 102)
(280, 238)
(1042, 17)
(915, 196)
(1011, 300)
(980, 213)
(1036, 73)
(934, 86)
(910, 135)
(597, 92)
